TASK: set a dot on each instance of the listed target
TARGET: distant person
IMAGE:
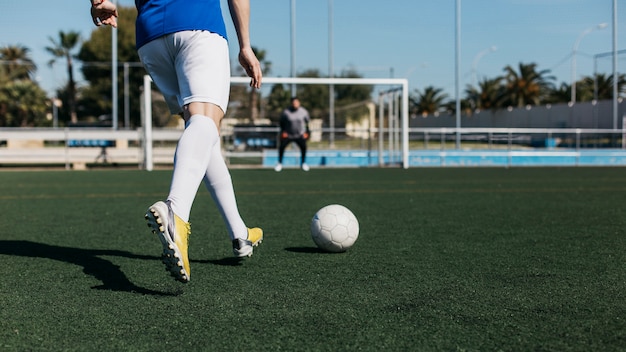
(183, 46)
(294, 127)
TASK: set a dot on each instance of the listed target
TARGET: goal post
(396, 84)
(401, 83)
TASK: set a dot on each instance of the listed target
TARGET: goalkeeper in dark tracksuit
(294, 127)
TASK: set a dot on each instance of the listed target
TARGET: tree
(22, 104)
(314, 97)
(16, 63)
(95, 54)
(428, 101)
(63, 48)
(528, 86)
(277, 100)
(350, 99)
(250, 107)
(562, 94)
(22, 101)
(601, 87)
(254, 94)
(489, 95)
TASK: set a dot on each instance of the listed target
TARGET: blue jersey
(156, 18)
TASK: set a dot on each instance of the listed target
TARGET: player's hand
(251, 65)
(305, 135)
(284, 135)
(104, 13)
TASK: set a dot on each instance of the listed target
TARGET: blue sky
(412, 39)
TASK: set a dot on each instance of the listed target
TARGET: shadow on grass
(229, 261)
(110, 274)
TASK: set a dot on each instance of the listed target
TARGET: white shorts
(189, 66)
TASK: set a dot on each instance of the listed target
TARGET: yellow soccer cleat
(244, 248)
(174, 235)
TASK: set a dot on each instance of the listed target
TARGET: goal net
(368, 131)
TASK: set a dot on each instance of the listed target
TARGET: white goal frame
(401, 83)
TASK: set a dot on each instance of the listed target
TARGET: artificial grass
(447, 259)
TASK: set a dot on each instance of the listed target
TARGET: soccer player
(294, 127)
(183, 46)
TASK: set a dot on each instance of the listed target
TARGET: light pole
(475, 62)
(293, 46)
(331, 74)
(615, 75)
(457, 83)
(114, 97)
(575, 51)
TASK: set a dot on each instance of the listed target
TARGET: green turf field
(523, 259)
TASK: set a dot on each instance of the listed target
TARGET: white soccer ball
(334, 228)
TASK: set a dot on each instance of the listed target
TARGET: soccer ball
(334, 228)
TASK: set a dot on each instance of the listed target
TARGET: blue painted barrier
(90, 143)
(454, 158)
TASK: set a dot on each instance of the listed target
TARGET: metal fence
(82, 147)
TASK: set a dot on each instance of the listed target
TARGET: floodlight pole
(331, 74)
(615, 78)
(293, 46)
(457, 74)
(114, 112)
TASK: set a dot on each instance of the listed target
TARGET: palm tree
(253, 97)
(528, 86)
(429, 101)
(63, 48)
(17, 63)
(488, 95)
(23, 104)
(562, 94)
(491, 94)
(602, 85)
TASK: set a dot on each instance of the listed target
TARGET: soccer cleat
(305, 167)
(278, 167)
(174, 235)
(244, 248)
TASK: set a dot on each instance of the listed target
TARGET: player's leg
(219, 183)
(171, 61)
(173, 231)
(191, 160)
(205, 93)
(282, 145)
(203, 73)
(301, 142)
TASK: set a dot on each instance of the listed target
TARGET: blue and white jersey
(156, 18)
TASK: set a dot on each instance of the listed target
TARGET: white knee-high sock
(192, 157)
(219, 183)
